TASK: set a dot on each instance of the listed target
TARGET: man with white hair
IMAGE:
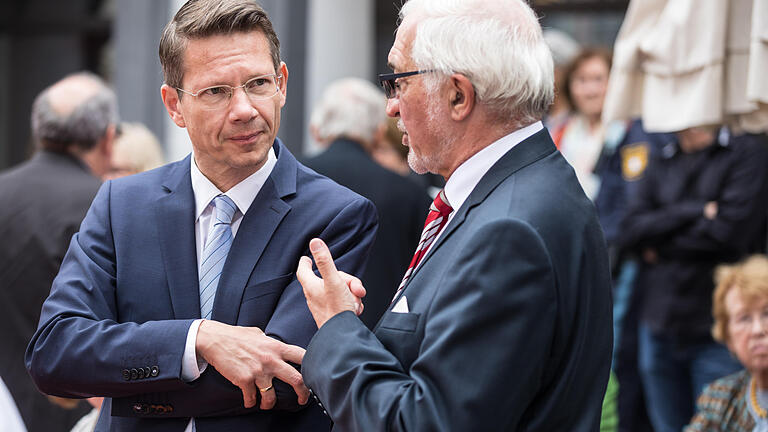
(503, 321)
(349, 120)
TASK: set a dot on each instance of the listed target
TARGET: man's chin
(416, 163)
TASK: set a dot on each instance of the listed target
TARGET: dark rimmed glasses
(257, 88)
(389, 81)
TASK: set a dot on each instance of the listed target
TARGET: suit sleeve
(349, 236)
(504, 294)
(80, 349)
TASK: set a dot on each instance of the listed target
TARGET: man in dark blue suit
(215, 236)
(503, 321)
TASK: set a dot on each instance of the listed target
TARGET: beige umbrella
(686, 63)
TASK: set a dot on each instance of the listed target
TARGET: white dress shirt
(204, 191)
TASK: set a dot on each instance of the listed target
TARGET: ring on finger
(266, 389)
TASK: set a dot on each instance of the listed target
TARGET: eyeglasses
(257, 88)
(746, 320)
(389, 81)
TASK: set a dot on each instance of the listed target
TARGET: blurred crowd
(684, 210)
(677, 200)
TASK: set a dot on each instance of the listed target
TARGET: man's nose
(393, 107)
(241, 108)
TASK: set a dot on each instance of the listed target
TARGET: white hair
(497, 44)
(350, 107)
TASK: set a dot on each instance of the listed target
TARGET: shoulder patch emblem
(634, 160)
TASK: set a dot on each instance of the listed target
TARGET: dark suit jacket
(116, 321)
(42, 202)
(509, 322)
(402, 207)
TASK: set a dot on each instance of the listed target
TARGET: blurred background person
(700, 203)
(583, 137)
(135, 150)
(389, 152)
(42, 202)
(619, 171)
(564, 49)
(739, 402)
(346, 121)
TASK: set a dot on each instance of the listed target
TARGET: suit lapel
(175, 211)
(528, 151)
(258, 225)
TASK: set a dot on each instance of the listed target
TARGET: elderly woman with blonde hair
(739, 402)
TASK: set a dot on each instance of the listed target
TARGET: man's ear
(283, 83)
(462, 96)
(172, 103)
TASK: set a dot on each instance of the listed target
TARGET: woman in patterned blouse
(739, 402)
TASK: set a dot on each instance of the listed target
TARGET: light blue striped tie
(215, 252)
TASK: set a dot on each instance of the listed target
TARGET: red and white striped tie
(436, 220)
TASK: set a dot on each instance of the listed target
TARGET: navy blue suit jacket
(116, 321)
(509, 320)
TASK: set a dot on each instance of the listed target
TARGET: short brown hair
(749, 277)
(204, 18)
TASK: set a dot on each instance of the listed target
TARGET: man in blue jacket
(177, 299)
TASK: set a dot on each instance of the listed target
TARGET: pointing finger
(324, 262)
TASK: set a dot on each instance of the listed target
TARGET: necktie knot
(225, 209)
(440, 204)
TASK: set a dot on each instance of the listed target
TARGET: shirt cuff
(191, 366)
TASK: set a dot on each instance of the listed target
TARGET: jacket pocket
(406, 322)
(264, 288)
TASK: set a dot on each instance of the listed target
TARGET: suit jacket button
(140, 373)
(155, 371)
(126, 374)
(138, 408)
(134, 373)
(147, 372)
(169, 408)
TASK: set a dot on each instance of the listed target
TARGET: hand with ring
(250, 360)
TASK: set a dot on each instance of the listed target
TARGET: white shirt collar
(468, 175)
(242, 193)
